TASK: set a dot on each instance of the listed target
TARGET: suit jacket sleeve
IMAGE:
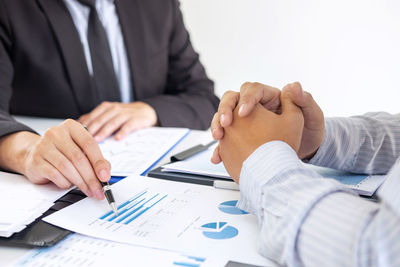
(7, 124)
(189, 99)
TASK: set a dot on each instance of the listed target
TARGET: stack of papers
(200, 164)
(141, 150)
(21, 202)
(79, 250)
(154, 213)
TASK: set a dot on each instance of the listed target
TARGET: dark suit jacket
(43, 71)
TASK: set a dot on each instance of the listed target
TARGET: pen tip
(114, 209)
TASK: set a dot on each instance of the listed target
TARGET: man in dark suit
(115, 65)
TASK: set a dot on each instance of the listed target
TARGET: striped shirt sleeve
(307, 220)
(367, 144)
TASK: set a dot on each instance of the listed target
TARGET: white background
(345, 52)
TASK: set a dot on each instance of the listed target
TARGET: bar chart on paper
(134, 208)
(189, 218)
(147, 215)
(78, 250)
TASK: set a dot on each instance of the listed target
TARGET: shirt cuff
(327, 142)
(266, 162)
(340, 145)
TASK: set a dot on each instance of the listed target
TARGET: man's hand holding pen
(66, 155)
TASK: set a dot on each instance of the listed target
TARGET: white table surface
(9, 254)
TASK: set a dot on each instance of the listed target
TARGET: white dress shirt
(109, 18)
(307, 220)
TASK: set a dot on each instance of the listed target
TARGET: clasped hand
(259, 114)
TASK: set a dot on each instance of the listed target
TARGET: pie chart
(230, 208)
(219, 230)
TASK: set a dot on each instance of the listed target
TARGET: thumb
(288, 105)
(313, 115)
(293, 120)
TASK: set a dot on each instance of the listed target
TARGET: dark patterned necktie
(104, 77)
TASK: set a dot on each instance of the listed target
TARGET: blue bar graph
(189, 261)
(126, 209)
(131, 212)
(146, 209)
(123, 205)
(186, 264)
(133, 208)
(196, 258)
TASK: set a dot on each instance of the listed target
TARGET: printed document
(189, 218)
(141, 150)
(21, 201)
(78, 250)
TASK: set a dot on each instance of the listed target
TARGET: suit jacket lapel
(129, 13)
(72, 51)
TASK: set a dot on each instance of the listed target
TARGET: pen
(191, 151)
(109, 196)
(107, 191)
(226, 185)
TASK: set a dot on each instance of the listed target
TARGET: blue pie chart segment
(220, 230)
(210, 225)
(230, 208)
